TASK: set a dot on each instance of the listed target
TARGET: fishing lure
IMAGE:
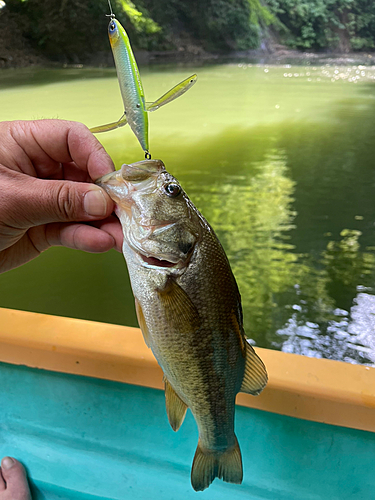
(135, 106)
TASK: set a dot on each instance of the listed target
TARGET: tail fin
(209, 464)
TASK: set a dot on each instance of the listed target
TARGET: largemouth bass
(189, 310)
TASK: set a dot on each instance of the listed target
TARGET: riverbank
(17, 52)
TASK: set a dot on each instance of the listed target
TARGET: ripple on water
(350, 338)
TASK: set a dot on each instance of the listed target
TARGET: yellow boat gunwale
(321, 390)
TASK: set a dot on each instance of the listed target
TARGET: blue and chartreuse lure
(135, 106)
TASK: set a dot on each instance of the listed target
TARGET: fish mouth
(154, 261)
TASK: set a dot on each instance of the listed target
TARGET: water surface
(280, 160)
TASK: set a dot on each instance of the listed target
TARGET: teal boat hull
(84, 438)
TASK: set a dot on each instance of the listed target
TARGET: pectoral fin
(180, 312)
(255, 376)
(110, 126)
(142, 322)
(176, 408)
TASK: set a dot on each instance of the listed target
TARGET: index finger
(48, 143)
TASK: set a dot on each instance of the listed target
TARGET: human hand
(46, 192)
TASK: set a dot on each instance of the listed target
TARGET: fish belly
(196, 365)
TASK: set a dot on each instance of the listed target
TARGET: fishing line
(111, 15)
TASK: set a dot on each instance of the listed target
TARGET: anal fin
(176, 408)
(142, 322)
(255, 376)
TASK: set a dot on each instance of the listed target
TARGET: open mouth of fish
(154, 261)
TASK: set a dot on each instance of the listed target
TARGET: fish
(135, 106)
(189, 310)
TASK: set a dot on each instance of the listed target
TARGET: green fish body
(189, 310)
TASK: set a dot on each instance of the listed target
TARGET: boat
(82, 407)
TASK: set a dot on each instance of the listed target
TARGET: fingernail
(95, 203)
(7, 463)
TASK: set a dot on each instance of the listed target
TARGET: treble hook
(111, 15)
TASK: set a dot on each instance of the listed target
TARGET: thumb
(41, 201)
(15, 477)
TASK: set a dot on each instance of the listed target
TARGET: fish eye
(172, 190)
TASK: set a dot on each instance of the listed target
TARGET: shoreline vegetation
(73, 33)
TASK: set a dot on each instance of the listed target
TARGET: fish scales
(189, 309)
(199, 364)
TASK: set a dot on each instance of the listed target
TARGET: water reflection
(251, 214)
(349, 337)
(332, 332)
(303, 303)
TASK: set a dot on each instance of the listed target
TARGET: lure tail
(109, 126)
(207, 465)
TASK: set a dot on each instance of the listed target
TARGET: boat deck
(81, 408)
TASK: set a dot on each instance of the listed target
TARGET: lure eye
(112, 26)
(172, 190)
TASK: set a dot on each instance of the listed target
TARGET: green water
(280, 160)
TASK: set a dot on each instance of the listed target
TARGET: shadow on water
(36, 76)
(292, 203)
(11, 78)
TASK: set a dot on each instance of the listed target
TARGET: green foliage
(67, 28)
(260, 15)
(140, 22)
(72, 29)
(215, 24)
(145, 33)
(320, 24)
